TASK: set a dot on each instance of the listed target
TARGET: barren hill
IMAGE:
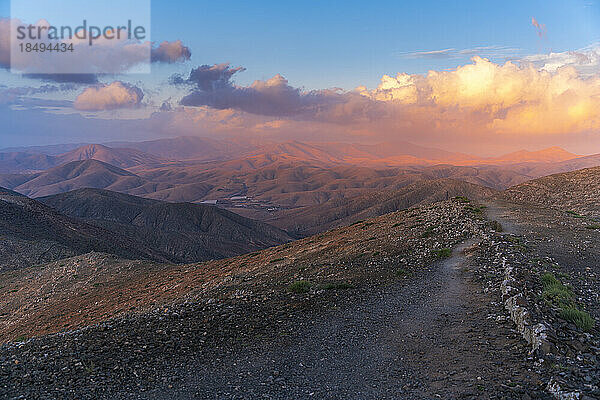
(76, 175)
(345, 211)
(119, 157)
(184, 232)
(33, 233)
(576, 191)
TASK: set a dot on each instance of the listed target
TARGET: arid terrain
(338, 282)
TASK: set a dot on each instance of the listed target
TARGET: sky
(475, 76)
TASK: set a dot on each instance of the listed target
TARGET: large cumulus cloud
(479, 98)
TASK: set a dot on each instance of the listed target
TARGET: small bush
(575, 214)
(593, 226)
(401, 272)
(299, 287)
(580, 318)
(496, 226)
(337, 286)
(554, 290)
(428, 232)
(442, 253)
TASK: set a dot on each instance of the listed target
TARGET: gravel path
(429, 338)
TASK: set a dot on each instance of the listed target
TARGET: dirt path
(430, 338)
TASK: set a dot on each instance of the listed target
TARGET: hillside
(353, 254)
(76, 175)
(345, 211)
(184, 232)
(33, 233)
(575, 191)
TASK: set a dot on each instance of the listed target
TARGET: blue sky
(323, 44)
(346, 43)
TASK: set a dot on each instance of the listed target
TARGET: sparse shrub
(462, 199)
(337, 286)
(441, 254)
(428, 232)
(21, 338)
(299, 287)
(562, 295)
(401, 272)
(496, 226)
(593, 226)
(397, 224)
(375, 254)
(575, 214)
(554, 290)
(276, 260)
(580, 318)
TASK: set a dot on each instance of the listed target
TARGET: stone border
(535, 335)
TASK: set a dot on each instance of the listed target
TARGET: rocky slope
(339, 212)
(575, 191)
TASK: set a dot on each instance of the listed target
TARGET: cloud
(476, 100)
(212, 86)
(452, 53)
(13, 94)
(166, 106)
(209, 78)
(65, 78)
(109, 97)
(115, 56)
(586, 60)
(171, 52)
(540, 28)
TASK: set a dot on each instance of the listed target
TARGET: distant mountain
(345, 211)
(184, 232)
(75, 175)
(50, 150)
(549, 155)
(15, 162)
(193, 148)
(19, 162)
(32, 233)
(571, 191)
(119, 157)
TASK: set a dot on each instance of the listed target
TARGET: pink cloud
(109, 97)
(541, 28)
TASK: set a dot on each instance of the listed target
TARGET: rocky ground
(542, 242)
(381, 309)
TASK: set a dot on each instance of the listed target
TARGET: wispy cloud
(540, 28)
(503, 52)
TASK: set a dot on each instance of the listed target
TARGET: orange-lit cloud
(502, 99)
(109, 97)
(478, 99)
